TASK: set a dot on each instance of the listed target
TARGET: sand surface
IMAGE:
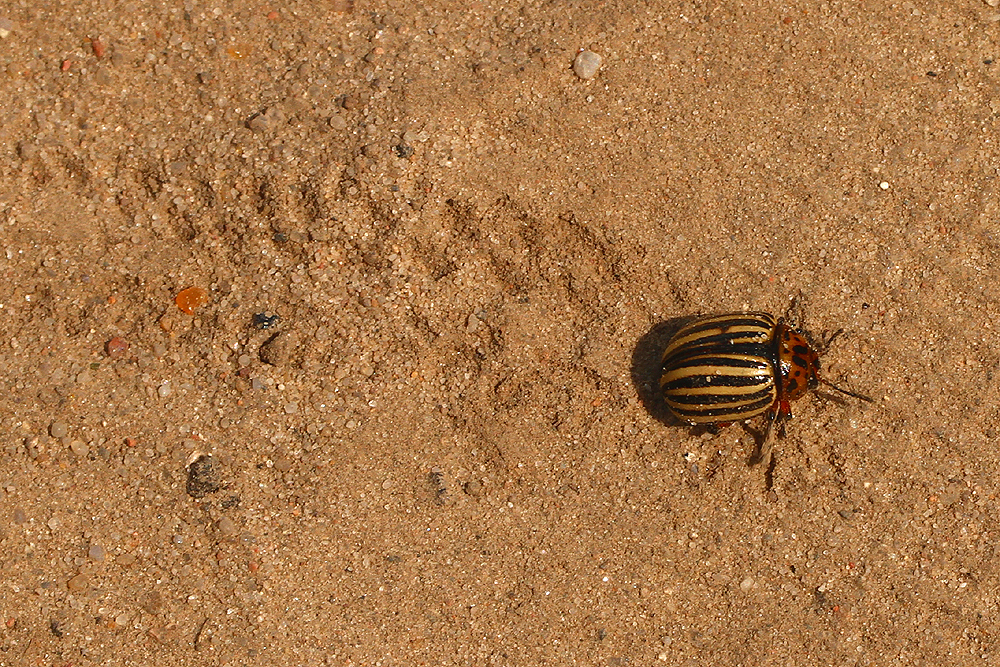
(412, 422)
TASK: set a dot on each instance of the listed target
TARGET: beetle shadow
(646, 362)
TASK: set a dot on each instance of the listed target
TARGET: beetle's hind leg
(774, 428)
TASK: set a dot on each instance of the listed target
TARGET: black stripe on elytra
(708, 400)
(727, 323)
(756, 357)
(733, 410)
(726, 340)
(702, 380)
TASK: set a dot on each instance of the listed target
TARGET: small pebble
(283, 464)
(277, 350)
(266, 122)
(152, 602)
(256, 384)
(202, 477)
(78, 583)
(291, 408)
(19, 516)
(472, 323)
(96, 552)
(226, 526)
(58, 429)
(586, 64)
(746, 585)
(116, 348)
(6, 27)
(164, 389)
(474, 488)
(79, 447)
(33, 446)
(191, 299)
(27, 150)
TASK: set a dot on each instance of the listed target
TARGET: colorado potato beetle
(734, 367)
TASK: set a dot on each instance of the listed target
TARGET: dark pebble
(264, 321)
(277, 350)
(202, 477)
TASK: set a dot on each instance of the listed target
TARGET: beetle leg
(763, 453)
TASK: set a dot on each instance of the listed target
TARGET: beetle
(719, 369)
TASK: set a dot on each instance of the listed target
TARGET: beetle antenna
(844, 391)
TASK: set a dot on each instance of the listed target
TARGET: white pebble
(884, 185)
(586, 64)
(164, 389)
(746, 585)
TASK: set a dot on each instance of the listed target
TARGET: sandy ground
(445, 449)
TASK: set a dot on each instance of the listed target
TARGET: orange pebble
(191, 299)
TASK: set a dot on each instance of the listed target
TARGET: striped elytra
(726, 368)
